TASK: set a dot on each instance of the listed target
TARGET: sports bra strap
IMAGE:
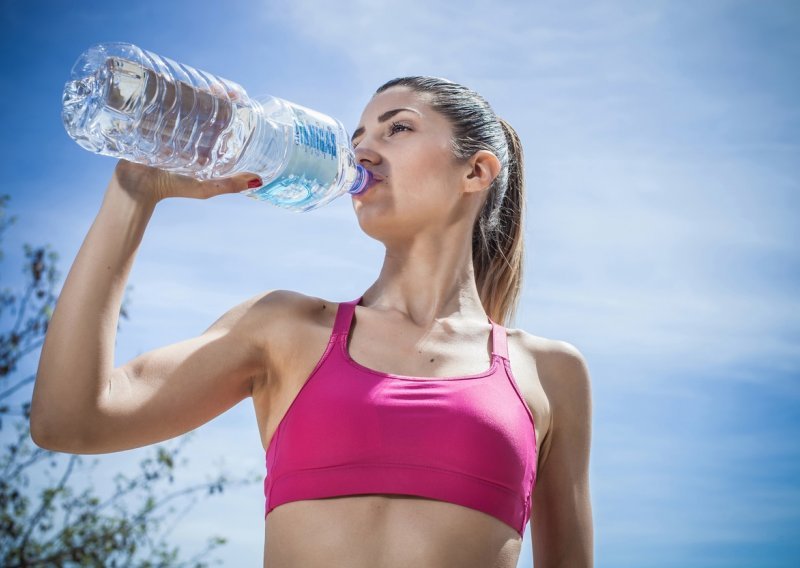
(499, 340)
(344, 315)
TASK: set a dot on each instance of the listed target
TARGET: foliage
(62, 520)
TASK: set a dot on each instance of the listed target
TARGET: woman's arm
(81, 403)
(562, 532)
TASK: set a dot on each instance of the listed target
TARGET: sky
(662, 164)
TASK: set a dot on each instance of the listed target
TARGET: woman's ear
(483, 168)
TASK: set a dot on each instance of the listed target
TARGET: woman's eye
(398, 126)
(393, 128)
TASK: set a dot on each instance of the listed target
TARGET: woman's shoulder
(553, 357)
(543, 346)
(286, 311)
(278, 300)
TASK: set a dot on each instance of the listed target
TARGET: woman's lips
(376, 179)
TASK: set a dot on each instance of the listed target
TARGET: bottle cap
(362, 181)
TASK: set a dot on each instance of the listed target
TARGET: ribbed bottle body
(130, 103)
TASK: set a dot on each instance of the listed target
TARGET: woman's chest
(300, 353)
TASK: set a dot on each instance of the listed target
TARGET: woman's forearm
(77, 357)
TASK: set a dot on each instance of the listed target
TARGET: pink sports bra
(351, 430)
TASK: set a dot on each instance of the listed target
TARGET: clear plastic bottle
(126, 102)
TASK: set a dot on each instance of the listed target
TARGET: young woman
(406, 427)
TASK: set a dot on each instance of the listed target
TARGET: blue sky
(662, 162)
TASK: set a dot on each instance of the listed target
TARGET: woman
(389, 442)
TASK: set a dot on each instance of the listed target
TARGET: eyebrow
(382, 118)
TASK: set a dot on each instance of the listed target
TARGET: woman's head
(457, 162)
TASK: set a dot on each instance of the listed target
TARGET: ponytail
(497, 238)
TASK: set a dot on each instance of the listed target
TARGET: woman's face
(407, 146)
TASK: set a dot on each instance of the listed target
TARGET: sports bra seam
(510, 375)
(399, 465)
(534, 457)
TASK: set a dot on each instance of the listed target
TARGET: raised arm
(81, 402)
(562, 533)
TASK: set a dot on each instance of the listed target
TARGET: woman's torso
(385, 530)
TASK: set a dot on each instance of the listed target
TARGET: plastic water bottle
(126, 102)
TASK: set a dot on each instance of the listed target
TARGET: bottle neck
(361, 181)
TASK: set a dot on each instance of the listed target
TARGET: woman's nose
(363, 153)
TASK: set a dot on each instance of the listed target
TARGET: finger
(232, 184)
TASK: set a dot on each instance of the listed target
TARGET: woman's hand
(149, 184)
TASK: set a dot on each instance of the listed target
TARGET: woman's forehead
(395, 97)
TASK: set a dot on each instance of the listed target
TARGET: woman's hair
(497, 237)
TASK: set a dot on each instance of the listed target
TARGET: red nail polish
(253, 183)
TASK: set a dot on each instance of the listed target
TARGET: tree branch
(26, 381)
(46, 503)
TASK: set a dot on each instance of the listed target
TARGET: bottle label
(315, 137)
(314, 156)
(309, 172)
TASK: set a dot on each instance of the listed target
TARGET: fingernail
(255, 182)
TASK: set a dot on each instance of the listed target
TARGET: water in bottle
(126, 102)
